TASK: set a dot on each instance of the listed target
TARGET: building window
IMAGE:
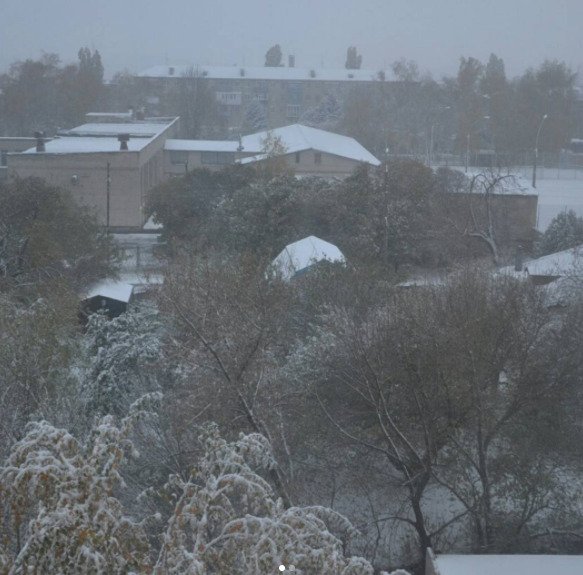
(217, 158)
(3, 158)
(317, 158)
(178, 157)
(229, 98)
(294, 93)
(297, 157)
(293, 111)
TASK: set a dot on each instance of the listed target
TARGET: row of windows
(317, 157)
(217, 158)
(223, 158)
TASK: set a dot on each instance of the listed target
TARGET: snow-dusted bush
(228, 520)
(58, 493)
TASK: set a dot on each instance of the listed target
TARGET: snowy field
(559, 190)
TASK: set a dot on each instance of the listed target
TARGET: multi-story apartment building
(282, 94)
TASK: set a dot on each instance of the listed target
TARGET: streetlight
(540, 127)
(430, 153)
(468, 139)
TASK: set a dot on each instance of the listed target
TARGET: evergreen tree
(325, 115)
(353, 59)
(273, 57)
(255, 117)
(565, 231)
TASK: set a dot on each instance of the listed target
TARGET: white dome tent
(296, 258)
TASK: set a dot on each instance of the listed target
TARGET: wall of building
(85, 176)
(284, 100)
(306, 163)
(132, 174)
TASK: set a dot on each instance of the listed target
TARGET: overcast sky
(136, 34)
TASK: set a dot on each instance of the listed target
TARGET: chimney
(40, 141)
(123, 140)
(518, 259)
(291, 61)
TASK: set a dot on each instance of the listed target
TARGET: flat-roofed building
(108, 167)
(284, 92)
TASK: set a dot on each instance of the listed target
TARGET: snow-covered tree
(255, 117)
(565, 231)
(228, 520)
(58, 495)
(325, 115)
(121, 354)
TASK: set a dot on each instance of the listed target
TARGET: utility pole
(540, 127)
(108, 180)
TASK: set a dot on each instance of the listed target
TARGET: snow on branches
(58, 493)
(227, 520)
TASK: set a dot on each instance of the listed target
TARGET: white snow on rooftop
(560, 264)
(297, 137)
(300, 255)
(509, 564)
(567, 262)
(81, 145)
(265, 73)
(111, 289)
(201, 145)
(136, 130)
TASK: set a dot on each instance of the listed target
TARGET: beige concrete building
(90, 162)
(111, 166)
(307, 151)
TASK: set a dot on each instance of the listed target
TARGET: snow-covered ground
(559, 190)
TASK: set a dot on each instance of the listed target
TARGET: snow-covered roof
(135, 130)
(152, 225)
(118, 115)
(201, 145)
(265, 73)
(511, 184)
(300, 255)
(111, 289)
(294, 138)
(82, 145)
(566, 263)
(297, 137)
(508, 564)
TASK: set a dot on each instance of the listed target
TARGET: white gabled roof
(508, 564)
(111, 289)
(300, 255)
(297, 137)
(265, 73)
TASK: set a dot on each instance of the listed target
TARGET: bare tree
(231, 322)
